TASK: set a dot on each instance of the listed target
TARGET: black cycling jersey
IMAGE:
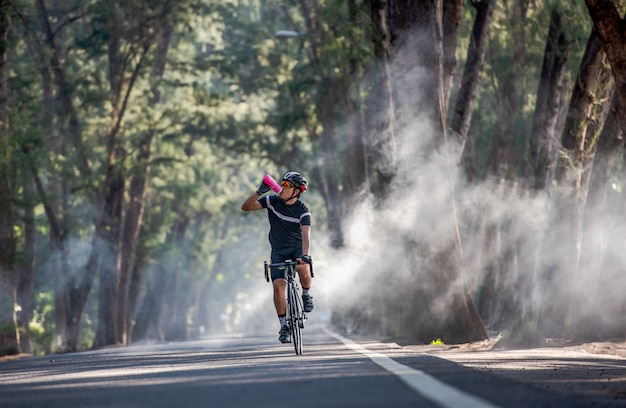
(285, 221)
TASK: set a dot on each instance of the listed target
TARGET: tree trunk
(587, 92)
(544, 144)
(609, 311)
(9, 334)
(108, 253)
(109, 228)
(355, 176)
(380, 111)
(26, 283)
(110, 202)
(466, 98)
(70, 298)
(511, 94)
(64, 283)
(544, 139)
(133, 216)
(586, 322)
(444, 260)
(137, 283)
(588, 108)
(173, 317)
(610, 26)
(489, 300)
(149, 313)
(452, 15)
(329, 93)
(332, 195)
(501, 165)
(57, 65)
(606, 19)
(512, 272)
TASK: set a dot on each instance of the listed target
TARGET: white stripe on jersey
(282, 216)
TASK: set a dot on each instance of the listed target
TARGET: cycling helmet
(296, 179)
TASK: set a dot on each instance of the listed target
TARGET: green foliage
(512, 72)
(41, 326)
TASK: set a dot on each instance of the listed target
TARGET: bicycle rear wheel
(294, 314)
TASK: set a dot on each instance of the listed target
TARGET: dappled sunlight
(157, 365)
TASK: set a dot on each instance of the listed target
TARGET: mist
(518, 247)
(368, 284)
(516, 263)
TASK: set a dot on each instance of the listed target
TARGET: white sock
(305, 291)
(282, 320)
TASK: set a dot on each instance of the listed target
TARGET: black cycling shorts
(281, 255)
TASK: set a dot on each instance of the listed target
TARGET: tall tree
(133, 216)
(129, 43)
(544, 140)
(379, 106)
(607, 20)
(70, 295)
(9, 335)
(26, 275)
(586, 113)
(334, 85)
(510, 52)
(451, 20)
(470, 82)
(511, 95)
(419, 47)
(585, 322)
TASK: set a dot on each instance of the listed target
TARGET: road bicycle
(295, 310)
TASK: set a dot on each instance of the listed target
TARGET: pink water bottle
(272, 183)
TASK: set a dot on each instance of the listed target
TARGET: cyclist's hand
(306, 259)
(263, 188)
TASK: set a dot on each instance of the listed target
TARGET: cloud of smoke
(513, 255)
(388, 244)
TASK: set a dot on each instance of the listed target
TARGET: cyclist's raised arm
(251, 203)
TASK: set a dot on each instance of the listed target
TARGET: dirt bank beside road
(594, 373)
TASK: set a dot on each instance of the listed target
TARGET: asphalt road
(257, 371)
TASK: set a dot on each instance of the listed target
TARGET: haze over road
(257, 371)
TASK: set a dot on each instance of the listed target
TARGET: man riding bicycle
(289, 237)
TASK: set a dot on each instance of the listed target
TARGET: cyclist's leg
(278, 281)
(304, 273)
(280, 303)
(280, 300)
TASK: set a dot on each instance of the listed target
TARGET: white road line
(431, 388)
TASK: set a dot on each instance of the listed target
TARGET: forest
(465, 161)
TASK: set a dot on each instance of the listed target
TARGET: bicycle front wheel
(294, 317)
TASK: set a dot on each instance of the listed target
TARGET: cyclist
(289, 237)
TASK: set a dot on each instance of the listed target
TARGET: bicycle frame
(295, 310)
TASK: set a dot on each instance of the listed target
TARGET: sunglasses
(286, 184)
